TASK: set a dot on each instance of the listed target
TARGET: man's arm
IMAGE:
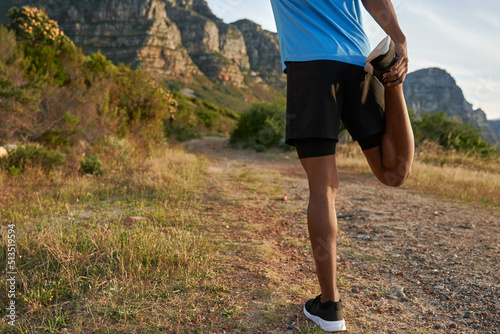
(384, 14)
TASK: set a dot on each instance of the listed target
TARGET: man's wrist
(399, 38)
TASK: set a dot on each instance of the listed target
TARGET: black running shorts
(320, 93)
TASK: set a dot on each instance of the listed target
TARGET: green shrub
(261, 127)
(97, 63)
(195, 118)
(91, 165)
(33, 155)
(451, 134)
(34, 26)
(63, 137)
(43, 43)
(209, 117)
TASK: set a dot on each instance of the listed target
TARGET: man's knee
(396, 178)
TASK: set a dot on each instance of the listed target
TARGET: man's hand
(398, 71)
(384, 14)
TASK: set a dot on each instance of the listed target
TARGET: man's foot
(328, 316)
(380, 60)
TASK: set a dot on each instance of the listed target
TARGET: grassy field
(441, 173)
(96, 251)
(117, 253)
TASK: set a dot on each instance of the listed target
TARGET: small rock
(355, 289)
(468, 315)
(291, 326)
(400, 292)
(453, 326)
(439, 287)
(467, 227)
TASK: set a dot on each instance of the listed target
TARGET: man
(324, 51)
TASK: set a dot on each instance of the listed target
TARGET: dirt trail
(408, 263)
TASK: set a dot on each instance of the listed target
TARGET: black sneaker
(328, 316)
(380, 60)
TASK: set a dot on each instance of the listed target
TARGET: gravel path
(408, 263)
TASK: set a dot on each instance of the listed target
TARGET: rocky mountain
(178, 39)
(495, 126)
(434, 89)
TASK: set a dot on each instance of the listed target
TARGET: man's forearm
(384, 14)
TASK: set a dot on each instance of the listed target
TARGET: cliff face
(495, 126)
(176, 38)
(433, 89)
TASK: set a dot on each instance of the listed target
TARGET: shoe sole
(327, 326)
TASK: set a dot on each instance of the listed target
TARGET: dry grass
(99, 252)
(441, 173)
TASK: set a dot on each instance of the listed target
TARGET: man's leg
(322, 221)
(391, 161)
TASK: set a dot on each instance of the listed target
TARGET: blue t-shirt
(321, 29)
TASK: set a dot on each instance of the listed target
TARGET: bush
(33, 155)
(451, 134)
(261, 127)
(52, 94)
(34, 27)
(195, 118)
(43, 43)
(91, 165)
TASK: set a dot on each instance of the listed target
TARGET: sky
(460, 36)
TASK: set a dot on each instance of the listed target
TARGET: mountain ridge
(434, 89)
(178, 39)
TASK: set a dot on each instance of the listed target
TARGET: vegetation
(436, 171)
(53, 95)
(451, 134)
(195, 117)
(117, 244)
(261, 127)
(31, 155)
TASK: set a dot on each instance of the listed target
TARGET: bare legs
(391, 164)
(322, 221)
